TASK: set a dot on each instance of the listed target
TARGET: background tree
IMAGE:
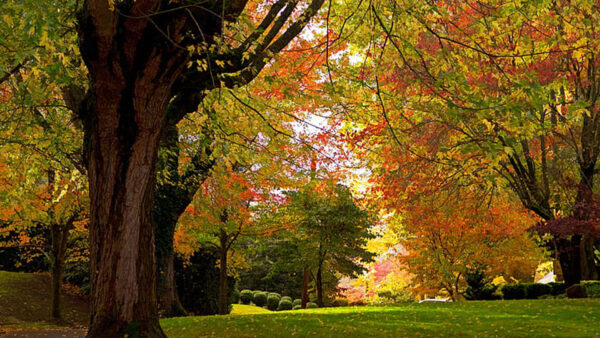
(331, 229)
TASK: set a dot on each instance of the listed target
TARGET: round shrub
(274, 294)
(297, 302)
(235, 296)
(246, 296)
(297, 307)
(260, 299)
(255, 292)
(311, 305)
(287, 298)
(273, 302)
(284, 304)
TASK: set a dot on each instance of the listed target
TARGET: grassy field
(519, 318)
(25, 301)
(25, 306)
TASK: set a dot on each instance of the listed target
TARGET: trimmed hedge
(260, 299)
(273, 301)
(558, 288)
(514, 291)
(284, 304)
(297, 307)
(246, 296)
(535, 290)
(287, 298)
(311, 305)
(592, 288)
(297, 301)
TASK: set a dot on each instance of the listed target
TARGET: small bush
(260, 299)
(246, 296)
(272, 302)
(479, 287)
(535, 290)
(297, 302)
(557, 288)
(514, 291)
(592, 288)
(287, 298)
(274, 294)
(339, 302)
(311, 305)
(297, 307)
(235, 296)
(284, 304)
(255, 292)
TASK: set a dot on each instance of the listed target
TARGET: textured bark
(305, 280)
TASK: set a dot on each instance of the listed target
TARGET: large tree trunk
(132, 76)
(223, 304)
(121, 171)
(305, 286)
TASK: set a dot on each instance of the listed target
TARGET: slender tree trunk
(589, 271)
(169, 303)
(305, 286)
(57, 270)
(223, 306)
(319, 283)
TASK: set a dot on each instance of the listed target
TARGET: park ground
(24, 305)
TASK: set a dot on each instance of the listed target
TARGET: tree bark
(305, 286)
(589, 270)
(569, 257)
(319, 283)
(57, 271)
(223, 306)
(169, 303)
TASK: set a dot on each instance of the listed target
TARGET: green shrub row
(592, 288)
(271, 300)
(536, 290)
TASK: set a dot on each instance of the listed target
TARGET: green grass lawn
(25, 306)
(240, 309)
(532, 318)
